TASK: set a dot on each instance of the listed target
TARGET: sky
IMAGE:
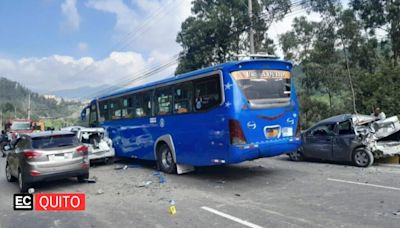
(51, 45)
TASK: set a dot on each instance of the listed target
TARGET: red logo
(60, 202)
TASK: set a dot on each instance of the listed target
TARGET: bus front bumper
(261, 150)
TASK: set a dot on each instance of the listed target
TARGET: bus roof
(187, 75)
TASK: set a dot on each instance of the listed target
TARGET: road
(272, 192)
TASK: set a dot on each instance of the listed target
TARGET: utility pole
(29, 106)
(15, 112)
(251, 32)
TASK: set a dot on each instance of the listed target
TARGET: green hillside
(14, 100)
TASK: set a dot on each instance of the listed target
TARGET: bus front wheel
(165, 159)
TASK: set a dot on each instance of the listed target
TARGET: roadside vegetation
(347, 62)
(56, 113)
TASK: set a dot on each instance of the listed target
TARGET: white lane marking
(365, 184)
(238, 220)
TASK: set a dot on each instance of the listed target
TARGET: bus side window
(115, 109)
(104, 111)
(183, 94)
(163, 101)
(147, 103)
(207, 93)
(127, 107)
(142, 104)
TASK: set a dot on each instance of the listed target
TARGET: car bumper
(101, 154)
(54, 173)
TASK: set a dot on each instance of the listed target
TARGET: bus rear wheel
(165, 159)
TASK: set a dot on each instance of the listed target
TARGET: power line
(148, 72)
(125, 42)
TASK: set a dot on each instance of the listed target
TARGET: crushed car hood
(371, 131)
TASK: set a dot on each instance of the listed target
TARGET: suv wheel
(23, 186)
(83, 178)
(9, 176)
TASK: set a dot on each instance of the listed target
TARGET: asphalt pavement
(270, 192)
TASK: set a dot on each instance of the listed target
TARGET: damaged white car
(359, 139)
(381, 137)
(100, 146)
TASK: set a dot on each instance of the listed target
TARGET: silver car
(46, 156)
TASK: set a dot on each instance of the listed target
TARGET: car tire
(23, 186)
(9, 176)
(362, 157)
(165, 159)
(296, 156)
(83, 178)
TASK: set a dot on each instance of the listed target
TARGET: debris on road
(160, 176)
(100, 192)
(144, 184)
(396, 212)
(238, 195)
(91, 180)
(31, 190)
(119, 167)
(172, 208)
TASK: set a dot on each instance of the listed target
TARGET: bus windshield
(21, 126)
(264, 88)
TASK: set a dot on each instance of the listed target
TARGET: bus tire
(165, 159)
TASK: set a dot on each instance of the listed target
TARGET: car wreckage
(381, 137)
(351, 137)
(99, 145)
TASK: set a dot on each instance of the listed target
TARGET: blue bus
(230, 113)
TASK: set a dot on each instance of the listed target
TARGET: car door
(318, 142)
(343, 142)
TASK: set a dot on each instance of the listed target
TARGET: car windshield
(20, 126)
(264, 88)
(54, 141)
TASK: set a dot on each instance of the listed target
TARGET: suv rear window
(54, 141)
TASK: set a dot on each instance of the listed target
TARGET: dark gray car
(350, 138)
(46, 156)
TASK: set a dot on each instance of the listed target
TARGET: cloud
(146, 25)
(71, 14)
(59, 72)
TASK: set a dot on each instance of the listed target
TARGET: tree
(218, 29)
(384, 15)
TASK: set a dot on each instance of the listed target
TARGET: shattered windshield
(264, 88)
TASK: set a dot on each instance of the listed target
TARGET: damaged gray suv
(46, 156)
(350, 138)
